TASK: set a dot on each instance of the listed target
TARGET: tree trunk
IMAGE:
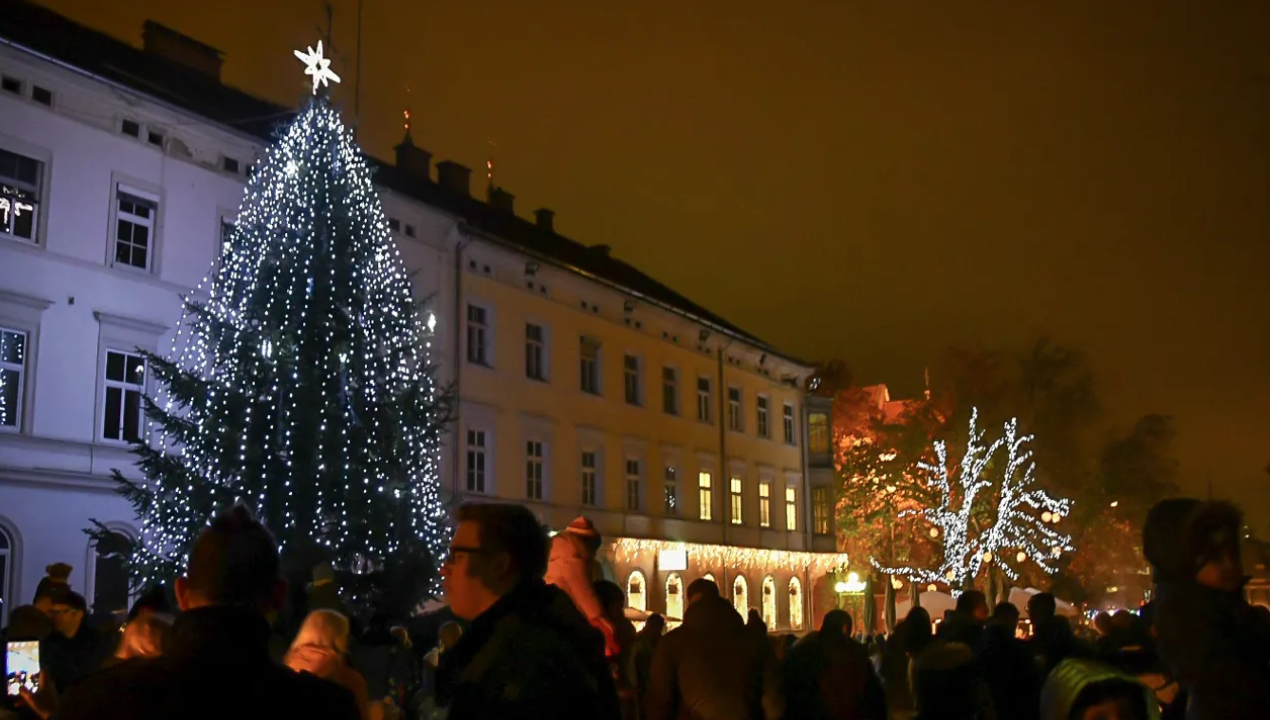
(889, 605)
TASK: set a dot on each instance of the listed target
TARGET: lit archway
(795, 604)
(674, 600)
(769, 602)
(636, 597)
(710, 577)
(741, 595)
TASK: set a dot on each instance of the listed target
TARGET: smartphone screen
(22, 660)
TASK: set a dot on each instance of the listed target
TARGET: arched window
(110, 580)
(635, 595)
(710, 577)
(674, 600)
(795, 604)
(6, 564)
(769, 602)
(741, 595)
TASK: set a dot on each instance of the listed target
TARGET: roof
(48, 33)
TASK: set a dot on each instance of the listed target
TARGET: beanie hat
(584, 527)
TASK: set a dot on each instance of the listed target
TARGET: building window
(476, 461)
(703, 399)
(791, 509)
(7, 550)
(674, 600)
(632, 486)
(671, 486)
(131, 128)
(110, 579)
(134, 229)
(737, 505)
(795, 604)
(12, 377)
(42, 95)
(535, 352)
(765, 504)
(769, 603)
(820, 510)
(670, 391)
(818, 432)
(630, 367)
(635, 596)
(789, 423)
(734, 409)
(588, 478)
(741, 595)
(705, 495)
(125, 384)
(11, 84)
(20, 180)
(590, 370)
(478, 335)
(763, 430)
(533, 470)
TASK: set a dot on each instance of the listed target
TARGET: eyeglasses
(456, 550)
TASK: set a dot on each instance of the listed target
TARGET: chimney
(454, 177)
(546, 219)
(184, 50)
(412, 160)
(500, 199)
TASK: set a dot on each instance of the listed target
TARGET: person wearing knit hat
(1215, 643)
(53, 586)
(572, 567)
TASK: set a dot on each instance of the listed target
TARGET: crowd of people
(537, 634)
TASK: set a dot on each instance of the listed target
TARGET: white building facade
(585, 387)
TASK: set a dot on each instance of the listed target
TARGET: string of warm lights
(1017, 534)
(627, 550)
(300, 380)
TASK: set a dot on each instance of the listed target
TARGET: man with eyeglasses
(528, 652)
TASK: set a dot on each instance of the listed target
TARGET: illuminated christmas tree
(982, 521)
(300, 382)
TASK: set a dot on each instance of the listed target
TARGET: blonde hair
(325, 629)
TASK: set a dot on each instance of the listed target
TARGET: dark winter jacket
(712, 668)
(530, 655)
(1012, 675)
(1215, 643)
(831, 678)
(69, 660)
(216, 666)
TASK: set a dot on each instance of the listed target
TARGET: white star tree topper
(317, 66)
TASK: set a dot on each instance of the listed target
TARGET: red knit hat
(584, 527)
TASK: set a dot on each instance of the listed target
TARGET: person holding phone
(216, 662)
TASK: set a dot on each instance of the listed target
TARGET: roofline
(470, 229)
(714, 327)
(116, 85)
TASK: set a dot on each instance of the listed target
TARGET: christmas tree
(300, 382)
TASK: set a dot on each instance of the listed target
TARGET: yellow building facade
(682, 439)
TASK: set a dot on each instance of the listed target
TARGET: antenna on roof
(489, 171)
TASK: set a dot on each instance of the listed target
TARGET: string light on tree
(1020, 512)
(300, 379)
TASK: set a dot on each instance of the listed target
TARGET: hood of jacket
(1164, 539)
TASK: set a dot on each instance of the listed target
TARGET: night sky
(874, 183)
